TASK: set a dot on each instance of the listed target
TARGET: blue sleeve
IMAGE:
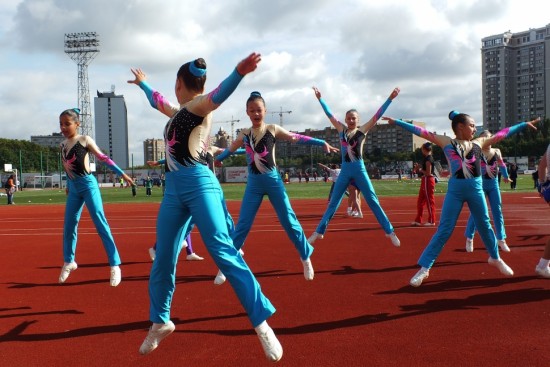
(327, 110)
(224, 90)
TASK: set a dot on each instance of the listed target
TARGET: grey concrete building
(111, 126)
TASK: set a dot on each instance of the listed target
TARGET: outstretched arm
(232, 149)
(509, 131)
(333, 120)
(215, 98)
(282, 133)
(440, 140)
(156, 100)
(93, 148)
(374, 119)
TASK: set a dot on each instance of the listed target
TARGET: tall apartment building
(515, 81)
(153, 150)
(111, 126)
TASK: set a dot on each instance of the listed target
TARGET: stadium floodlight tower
(82, 48)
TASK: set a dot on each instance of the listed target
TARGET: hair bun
(453, 114)
(255, 94)
(77, 110)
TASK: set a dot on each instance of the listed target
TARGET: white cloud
(355, 51)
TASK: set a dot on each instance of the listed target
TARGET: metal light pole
(82, 48)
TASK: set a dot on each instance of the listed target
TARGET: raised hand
(139, 76)
(394, 93)
(249, 64)
(317, 93)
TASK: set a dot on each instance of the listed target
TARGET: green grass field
(311, 190)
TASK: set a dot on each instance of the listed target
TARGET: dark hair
(457, 118)
(255, 96)
(427, 146)
(74, 113)
(192, 81)
(352, 110)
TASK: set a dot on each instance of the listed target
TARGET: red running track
(358, 311)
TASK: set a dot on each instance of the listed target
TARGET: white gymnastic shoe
(469, 245)
(116, 276)
(394, 239)
(503, 245)
(314, 237)
(156, 333)
(308, 269)
(419, 277)
(66, 270)
(220, 278)
(501, 266)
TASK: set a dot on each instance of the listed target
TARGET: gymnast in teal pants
(464, 156)
(193, 192)
(82, 188)
(263, 179)
(352, 139)
(491, 164)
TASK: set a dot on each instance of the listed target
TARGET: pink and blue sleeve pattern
(156, 100)
(509, 131)
(416, 130)
(307, 140)
(224, 90)
(109, 163)
(381, 110)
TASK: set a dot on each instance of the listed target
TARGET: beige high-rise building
(153, 150)
(515, 80)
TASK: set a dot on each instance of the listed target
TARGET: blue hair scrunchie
(453, 114)
(198, 72)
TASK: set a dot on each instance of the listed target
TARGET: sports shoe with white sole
(314, 237)
(220, 278)
(503, 245)
(156, 333)
(428, 224)
(308, 269)
(272, 348)
(543, 271)
(394, 239)
(469, 245)
(116, 276)
(66, 270)
(416, 224)
(501, 266)
(419, 277)
(152, 254)
(194, 257)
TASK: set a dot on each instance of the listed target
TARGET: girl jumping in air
(82, 188)
(352, 139)
(193, 192)
(264, 179)
(464, 156)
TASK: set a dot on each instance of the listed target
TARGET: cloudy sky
(354, 51)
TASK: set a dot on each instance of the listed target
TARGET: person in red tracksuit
(427, 187)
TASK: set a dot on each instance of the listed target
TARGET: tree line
(36, 158)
